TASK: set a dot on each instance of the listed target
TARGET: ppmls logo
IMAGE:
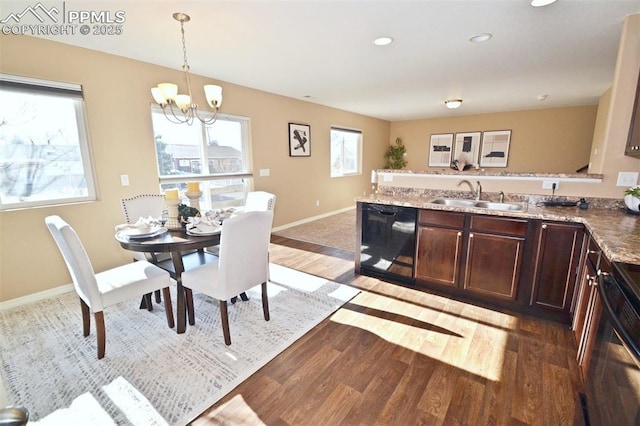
(58, 20)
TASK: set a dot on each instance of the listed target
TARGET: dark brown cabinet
(439, 248)
(558, 251)
(494, 256)
(588, 307)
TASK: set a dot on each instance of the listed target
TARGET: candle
(193, 186)
(171, 194)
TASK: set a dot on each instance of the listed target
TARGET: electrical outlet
(548, 184)
(124, 180)
(265, 172)
(317, 203)
(627, 179)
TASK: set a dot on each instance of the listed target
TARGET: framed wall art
(495, 148)
(299, 140)
(466, 152)
(440, 150)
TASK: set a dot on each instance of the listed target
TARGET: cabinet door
(582, 305)
(438, 256)
(557, 258)
(493, 265)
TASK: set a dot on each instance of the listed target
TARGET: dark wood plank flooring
(398, 356)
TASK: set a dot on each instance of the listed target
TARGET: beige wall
(552, 140)
(118, 98)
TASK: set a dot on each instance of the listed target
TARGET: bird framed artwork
(299, 140)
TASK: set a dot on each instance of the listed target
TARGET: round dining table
(187, 251)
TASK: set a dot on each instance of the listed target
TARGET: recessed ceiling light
(453, 103)
(541, 3)
(479, 38)
(383, 41)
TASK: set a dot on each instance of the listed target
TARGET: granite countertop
(616, 231)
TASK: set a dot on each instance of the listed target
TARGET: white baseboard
(35, 297)
(311, 219)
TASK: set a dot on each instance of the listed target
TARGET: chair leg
(265, 302)
(100, 332)
(191, 315)
(86, 318)
(157, 293)
(147, 300)
(168, 308)
(224, 315)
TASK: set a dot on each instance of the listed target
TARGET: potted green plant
(395, 155)
(632, 198)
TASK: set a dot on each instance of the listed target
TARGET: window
(44, 148)
(216, 155)
(345, 151)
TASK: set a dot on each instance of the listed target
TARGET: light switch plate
(124, 180)
(627, 179)
(264, 172)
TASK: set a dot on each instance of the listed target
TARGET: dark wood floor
(394, 355)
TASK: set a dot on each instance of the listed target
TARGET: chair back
(143, 205)
(77, 261)
(244, 253)
(260, 201)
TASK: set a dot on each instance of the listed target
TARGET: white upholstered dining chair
(98, 291)
(242, 264)
(144, 205)
(259, 201)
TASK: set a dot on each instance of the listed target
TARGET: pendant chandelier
(180, 108)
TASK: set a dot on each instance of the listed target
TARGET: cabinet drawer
(499, 225)
(440, 218)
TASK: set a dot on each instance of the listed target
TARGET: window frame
(358, 159)
(49, 88)
(246, 175)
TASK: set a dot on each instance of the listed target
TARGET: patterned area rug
(338, 230)
(150, 374)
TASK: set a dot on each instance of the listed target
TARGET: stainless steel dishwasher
(388, 242)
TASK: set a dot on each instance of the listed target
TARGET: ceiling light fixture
(383, 41)
(453, 103)
(541, 3)
(479, 38)
(166, 94)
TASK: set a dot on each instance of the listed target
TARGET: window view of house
(215, 155)
(345, 151)
(44, 156)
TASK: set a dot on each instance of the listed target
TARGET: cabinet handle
(544, 226)
(470, 235)
(459, 233)
(592, 251)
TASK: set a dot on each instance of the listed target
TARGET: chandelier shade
(179, 108)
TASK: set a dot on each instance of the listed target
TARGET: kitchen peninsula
(526, 260)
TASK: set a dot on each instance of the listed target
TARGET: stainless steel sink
(453, 202)
(499, 206)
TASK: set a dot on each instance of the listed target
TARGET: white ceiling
(322, 50)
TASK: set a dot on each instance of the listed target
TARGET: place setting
(143, 228)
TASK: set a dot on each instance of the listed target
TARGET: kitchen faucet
(477, 191)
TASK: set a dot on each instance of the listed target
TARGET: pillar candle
(193, 186)
(171, 194)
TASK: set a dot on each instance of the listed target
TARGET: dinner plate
(209, 230)
(136, 233)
